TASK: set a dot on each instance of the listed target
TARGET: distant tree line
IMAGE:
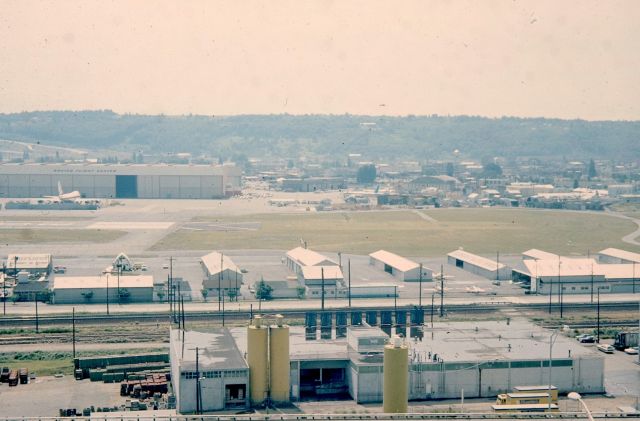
(334, 136)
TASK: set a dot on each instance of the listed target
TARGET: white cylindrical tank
(395, 396)
(279, 364)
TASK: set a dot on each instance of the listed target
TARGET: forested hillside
(415, 137)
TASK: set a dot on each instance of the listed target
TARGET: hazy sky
(553, 58)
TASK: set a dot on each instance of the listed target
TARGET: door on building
(126, 186)
(235, 395)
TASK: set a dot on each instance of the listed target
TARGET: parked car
(606, 348)
(632, 350)
(586, 339)
(59, 269)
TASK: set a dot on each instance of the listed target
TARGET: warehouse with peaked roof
(145, 181)
(220, 273)
(614, 255)
(490, 269)
(400, 267)
(299, 257)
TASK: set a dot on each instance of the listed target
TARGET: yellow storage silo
(257, 358)
(279, 365)
(396, 377)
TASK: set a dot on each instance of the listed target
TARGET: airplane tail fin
(60, 192)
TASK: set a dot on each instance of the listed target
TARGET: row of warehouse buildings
(120, 181)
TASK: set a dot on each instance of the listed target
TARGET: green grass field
(405, 232)
(33, 236)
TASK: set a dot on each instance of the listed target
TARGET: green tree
(491, 170)
(232, 294)
(366, 174)
(205, 293)
(263, 291)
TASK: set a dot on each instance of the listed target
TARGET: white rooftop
(29, 260)
(81, 282)
(539, 254)
(397, 262)
(563, 267)
(476, 260)
(307, 257)
(621, 254)
(215, 260)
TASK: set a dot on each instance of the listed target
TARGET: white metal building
(147, 181)
(93, 289)
(613, 255)
(400, 267)
(208, 364)
(31, 263)
(490, 269)
(220, 272)
(535, 254)
(299, 257)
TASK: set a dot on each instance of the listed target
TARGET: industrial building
(95, 289)
(299, 257)
(577, 276)
(613, 255)
(220, 273)
(125, 181)
(314, 278)
(481, 358)
(32, 263)
(490, 269)
(208, 372)
(535, 254)
(400, 267)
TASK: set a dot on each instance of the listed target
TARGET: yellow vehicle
(522, 399)
(539, 389)
(539, 407)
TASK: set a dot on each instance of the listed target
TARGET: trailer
(625, 340)
(4, 376)
(13, 378)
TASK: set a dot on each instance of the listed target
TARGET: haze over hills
(378, 137)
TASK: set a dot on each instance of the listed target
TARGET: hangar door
(126, 186)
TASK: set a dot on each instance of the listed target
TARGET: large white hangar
(122, 181)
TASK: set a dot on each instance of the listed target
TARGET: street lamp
(576, 397)
(552, 340)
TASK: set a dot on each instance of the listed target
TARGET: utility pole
(36, 300)
(220, 281)
(322, 293)
(420, 293)
(441, 291)
(118, 266)
(172, 289)
(73, 330)
(107, 294)
(183, 325)
(633, 279)
(349, 273)
(497, 266)
(559, 286)
(179, 310)
(198, 409)
(432, 298)
(222, 311)
(598, 318)
(4, 289)
(592, 282)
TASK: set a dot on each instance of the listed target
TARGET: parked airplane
(64, 197)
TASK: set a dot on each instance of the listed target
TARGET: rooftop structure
(220, 273)
(614, 255)
(306, 257)
(536, 254)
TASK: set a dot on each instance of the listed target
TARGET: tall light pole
(349, 274)
(220, 281)
(552, 340)
(118, 267)
(598, 318)
(420, 294)
(107, 294)
(4, 289)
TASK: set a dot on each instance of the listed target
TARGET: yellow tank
(396, 377)
(279, 365)
(257, 354)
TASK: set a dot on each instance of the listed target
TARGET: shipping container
(24, 376)
(13, 378)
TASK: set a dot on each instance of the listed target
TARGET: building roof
(621, 254)
(30, 287)
(563, 267)
(316, 272)
(307, 257)
(29, 261)
(216, 350)
(87, 282)
(620, 271)
(539, 254)
(397, 262)
(212, 262)
(474, 259)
